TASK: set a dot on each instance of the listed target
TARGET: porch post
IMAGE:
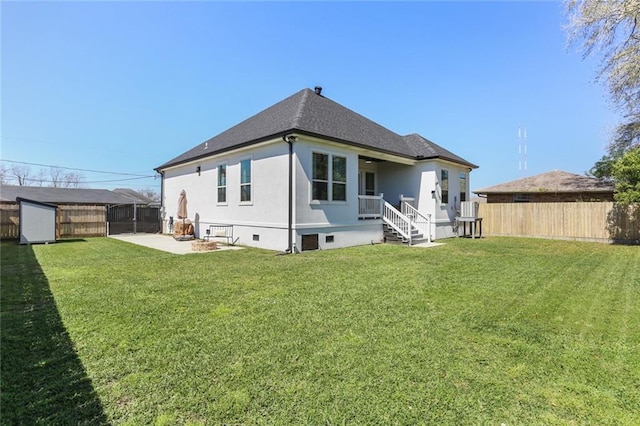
(410, 217)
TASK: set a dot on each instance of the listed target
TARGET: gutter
(162, 206)
(290, 139)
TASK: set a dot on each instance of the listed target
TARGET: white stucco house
(309, 173)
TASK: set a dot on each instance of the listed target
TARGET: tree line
(24, 175)
(609, 30)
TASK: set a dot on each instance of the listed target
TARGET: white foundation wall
(368, 232)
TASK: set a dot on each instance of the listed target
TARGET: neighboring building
(46, 194)
(135, 195)
(309, 173)
(550, 187)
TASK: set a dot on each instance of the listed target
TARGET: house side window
(245, 181)
(339, 175)
(463, 187)
(320, 177)
(329, 177)
(222, 183)
(444, 186)
(521, 198)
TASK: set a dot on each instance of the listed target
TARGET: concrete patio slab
(166, 243)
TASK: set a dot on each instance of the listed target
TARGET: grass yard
(491, 331)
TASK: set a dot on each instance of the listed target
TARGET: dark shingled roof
(308, 113)
(555, 181)
(424, 148)
(46, 194)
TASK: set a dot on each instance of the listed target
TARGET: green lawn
(491, 331)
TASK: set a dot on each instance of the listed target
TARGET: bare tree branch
(21, 173)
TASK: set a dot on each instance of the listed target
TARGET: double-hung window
(245, 181)
(329, 177)
(463, 187)
(222, 183)
(444, 185)
(339, 175)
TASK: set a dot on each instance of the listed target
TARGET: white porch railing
(370, 206)
(421, 222)
(396, 220)
(407, 223)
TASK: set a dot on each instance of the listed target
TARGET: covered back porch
(406, 222)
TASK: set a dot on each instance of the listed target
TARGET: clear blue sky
(126, 86)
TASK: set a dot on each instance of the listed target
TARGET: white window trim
(226, 185)
(330, 180)
(240, 184)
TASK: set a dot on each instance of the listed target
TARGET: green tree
(603, 168)
(626, 174)
(610, 29)
(627, 136)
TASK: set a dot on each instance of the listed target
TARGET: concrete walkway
(166, 243)
(427, 245)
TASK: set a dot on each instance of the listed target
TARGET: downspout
(162, 206)
(290, 139)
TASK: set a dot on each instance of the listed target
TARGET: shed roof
(554, 181)
(309, 113)
(46, 194)
(21, 200)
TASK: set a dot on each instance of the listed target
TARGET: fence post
(58, 221)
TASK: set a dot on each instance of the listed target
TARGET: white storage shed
(37, 222)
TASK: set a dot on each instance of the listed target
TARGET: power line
(80, 181)
(81, 170)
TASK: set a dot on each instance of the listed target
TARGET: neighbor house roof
(312, 114)
(46, 194)
(555, 181)
(135, 195)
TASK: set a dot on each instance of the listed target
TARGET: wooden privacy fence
(9, 219)
(592, 221)
(73, 221)
(76, 221)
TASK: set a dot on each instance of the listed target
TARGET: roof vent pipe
(318, 90)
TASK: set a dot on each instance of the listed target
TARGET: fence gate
(131, 219)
